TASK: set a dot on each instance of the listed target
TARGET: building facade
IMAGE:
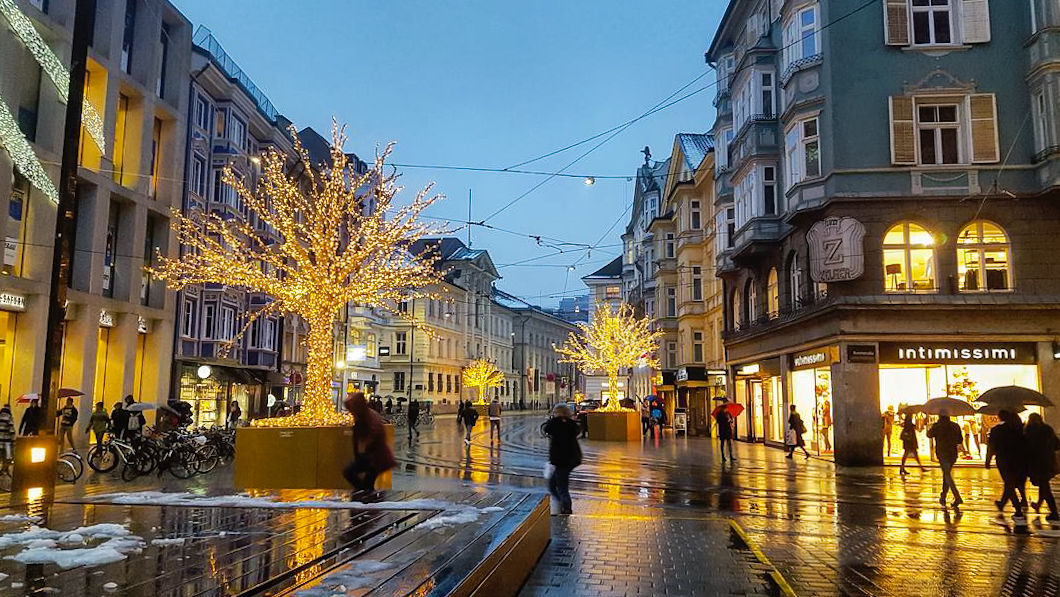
(118, 332)
(535, 334)
(886, 191)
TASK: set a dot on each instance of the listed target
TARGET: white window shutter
(982, 110)
(903, 131)
(896, 22)
(975, 21)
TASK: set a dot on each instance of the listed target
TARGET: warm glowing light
(482, 374)
(22, 154)
(340, 364)
(749, 369)
(331, 248)
(611, 341)
(37, 454)
(34, 494)
(203, 371)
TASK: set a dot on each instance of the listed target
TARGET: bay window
(800, 36)
(802, 147)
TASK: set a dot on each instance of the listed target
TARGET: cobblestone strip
(774, 574)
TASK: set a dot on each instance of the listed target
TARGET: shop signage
(384, 351)
(106, 319)
(861, 353)
(964, 353)
(10, 301)
(682, 374)
(811, 359)
(836, 250)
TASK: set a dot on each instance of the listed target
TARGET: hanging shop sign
(682, 374)
(861, 353)
(958, 353)
(384, 351)
(812, 359)
(836, 250)
(10, 301)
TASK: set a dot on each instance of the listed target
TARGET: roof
(205, 41)
(319, 150)
(450, 248)
(695, 147)
(611, 270)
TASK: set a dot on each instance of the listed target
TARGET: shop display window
(909, 259)
(982, 258)
(812, 396)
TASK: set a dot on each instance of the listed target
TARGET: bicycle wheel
(182, 463)
(77, 466)
(65, 471)
(103, 460)
(145, 462)
(129, 471)
(206, 459)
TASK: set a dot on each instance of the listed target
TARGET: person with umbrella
(67, 420)
(1042, 445)
(724, 418)
(796, 428)
(947, 436)
(30, 423)
(1007, 445)
(910, 445)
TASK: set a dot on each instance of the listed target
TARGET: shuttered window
(903, 135)
(936, 22)
(983, 111)
(896, 22)
(932, 130)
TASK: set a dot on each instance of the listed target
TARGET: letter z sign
(836, 250)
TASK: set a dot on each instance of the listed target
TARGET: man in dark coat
(1042, 445)
(1006, 444)
(564, 454)
(414, 418)
(119, 420)
(372, 454)
(30, 424)
(947, 436)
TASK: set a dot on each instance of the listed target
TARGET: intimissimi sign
(958, 353)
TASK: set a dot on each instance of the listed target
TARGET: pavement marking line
(785, 588)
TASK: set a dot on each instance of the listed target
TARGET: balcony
(802, 307)
(757, 236)
(758, 138)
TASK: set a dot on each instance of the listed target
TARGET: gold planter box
(614, 426)
(297, 457)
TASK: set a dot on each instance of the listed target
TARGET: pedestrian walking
(645, 418)
(725, 431)
(389, 408)
(495, 418)
(414, 418)
(459, 416)
(947, 436)
(234, 414)
(119, 419)
(98, 423)
(470, 418)
(910, 444)
(887, 420)
(372, 455)
(656, 419)
(796, 429)
(67, 420)
(135, 421)
(7, 432)
(1042, 445)
(30, 424)
(1006, 444)
(564, 454)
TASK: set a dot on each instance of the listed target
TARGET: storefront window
(982, 258)
(773, 294)
(909, 259)
(812, 396)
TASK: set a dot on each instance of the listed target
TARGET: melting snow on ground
(352, 576)
(69, 549)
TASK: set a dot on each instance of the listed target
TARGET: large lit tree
(609, 342)
(482, 374)
(338, 239)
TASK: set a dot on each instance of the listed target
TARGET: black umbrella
(1012, 395)
(947, 406)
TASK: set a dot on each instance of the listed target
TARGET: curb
(774, 574)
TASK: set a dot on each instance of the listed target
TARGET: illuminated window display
(811, 393)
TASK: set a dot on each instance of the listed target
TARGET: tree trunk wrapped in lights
(338, 239)
(482, 374)
(609, 342)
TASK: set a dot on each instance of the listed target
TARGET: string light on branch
(482, 374)
(609, 342)
(22, 154)
(329, 249)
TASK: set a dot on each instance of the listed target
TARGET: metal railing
(204, 39)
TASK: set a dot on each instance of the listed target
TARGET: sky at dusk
(489, 84)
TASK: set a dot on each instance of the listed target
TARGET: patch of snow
(42, 545)
(73, 539)
(3, 577)
(110, 586)
(447, 520)
(167, 542)
(355, 575)
(19, 518)
(160, 498)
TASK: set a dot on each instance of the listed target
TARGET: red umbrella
(69, 392)
(733, 408)
(26, 398)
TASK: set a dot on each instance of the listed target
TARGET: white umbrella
(138, 407)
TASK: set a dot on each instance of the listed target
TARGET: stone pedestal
(619, 426)
(297, 457)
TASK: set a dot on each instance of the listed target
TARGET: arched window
(737, 310)
(773, 294)
(909, 259)
(795, 281)
(983, 258)
(752, 302)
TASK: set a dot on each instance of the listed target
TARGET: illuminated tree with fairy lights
(609, 342)
(482, 374)
(340, 240)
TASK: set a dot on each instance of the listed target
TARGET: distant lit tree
(482, 374)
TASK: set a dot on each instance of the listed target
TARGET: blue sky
(488, 83)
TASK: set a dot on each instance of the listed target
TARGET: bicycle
(104, 457)
(70, 466)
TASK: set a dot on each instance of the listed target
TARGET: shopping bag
(791, 437)
(549, 469)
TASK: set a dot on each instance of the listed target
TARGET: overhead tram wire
(658, 107)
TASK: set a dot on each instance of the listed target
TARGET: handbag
(791, 438)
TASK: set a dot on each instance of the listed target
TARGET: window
(803, 149)
(721, 149)
(400, 342)
(737, 310)
(983, 258)
(238, 132)
(121, 122)
(769, 191)
(209, 315)
(800, 36)
(202, 112)
(403, 307)
(773, 295)
(156, 147)
(909, 259)
(669, 245)
(752, 302)
(613, 292)
(220, 118)
(938, 132)
(795, 281)
(697, 347)
(932, 22)
(160, 87)
(268, 338)
(730, 227)
(456, 383)
(370, 346)
(1041, 121)
(440, 382)
(399, 381)
(223, 192)
(228, 323)
(187, 319)
(198, 175)
(127, 36)
(671, 302)
(448, 384)
(695, 220)
(697, 283)
(767, 96)
(430, 382)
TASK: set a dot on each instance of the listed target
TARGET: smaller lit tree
(482, 374)
(609, 342)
